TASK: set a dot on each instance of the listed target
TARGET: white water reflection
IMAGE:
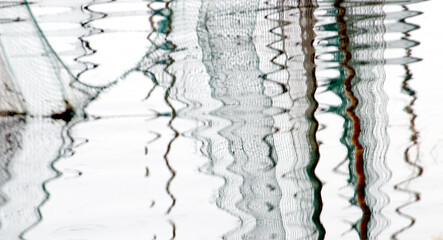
(208, 120)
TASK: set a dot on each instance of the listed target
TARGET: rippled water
(204, 119)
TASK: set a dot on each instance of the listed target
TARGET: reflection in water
(362, 45)
(42, 82)
(361, 32)
(244, 73)
(26, 157)
(225, 31)
(157, 70)
(414, 146)
(360, 184)
(37, 84)
(286, 48)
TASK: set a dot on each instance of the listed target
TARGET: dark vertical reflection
(307, 22)
(361, 30)
(165, 28)
(156, 66)
(410, 158)
(359, 161)
(158, 38)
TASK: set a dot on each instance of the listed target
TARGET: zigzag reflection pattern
(257, 122)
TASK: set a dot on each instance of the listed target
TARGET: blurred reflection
(269, 105)
(361, 30)
(251, 191)
(363, 64)
(246, 74)
(42, 83)
(38, 96)
(26, 157)
(285, 37)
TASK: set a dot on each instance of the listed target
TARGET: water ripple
(258, 89)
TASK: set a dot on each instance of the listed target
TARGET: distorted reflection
(262, 119)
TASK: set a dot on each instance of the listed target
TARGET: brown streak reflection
(359, 160)
(308, 36)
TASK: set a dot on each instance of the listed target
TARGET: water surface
(297, 119)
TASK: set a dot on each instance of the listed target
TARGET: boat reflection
(282, 106)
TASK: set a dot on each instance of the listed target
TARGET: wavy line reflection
(252, 193)
(41, 97)
(410, 158)
(247, 74)
(274, 186)
(363, 54)
(359, 161)
(43, 85)
(288, 63)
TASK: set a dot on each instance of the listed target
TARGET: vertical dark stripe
(307, 22)
(168, 28)
(164, 28)
(359, 160)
